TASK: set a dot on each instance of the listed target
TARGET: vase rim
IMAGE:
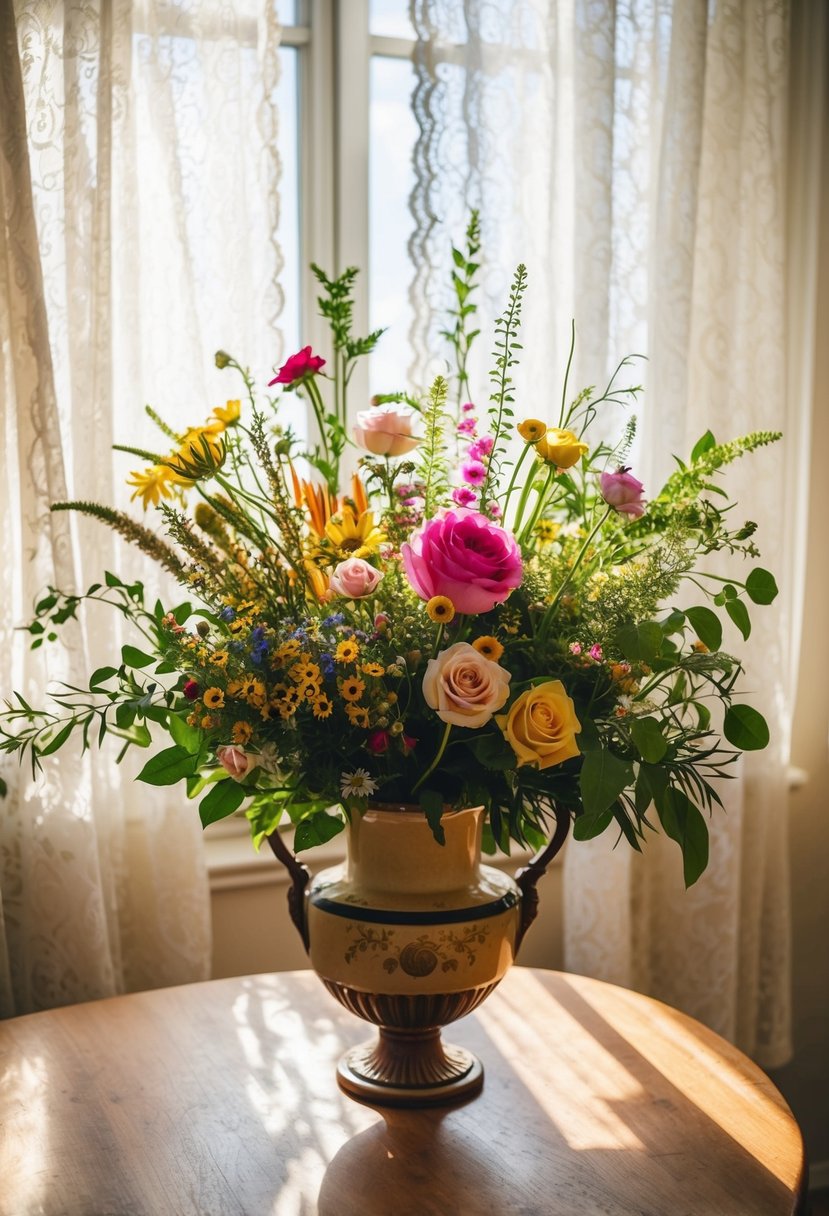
(414, 809)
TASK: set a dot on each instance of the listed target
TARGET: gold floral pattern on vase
(420, 957)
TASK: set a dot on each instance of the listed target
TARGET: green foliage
(464, 273)
(432, 464)
(501, 413)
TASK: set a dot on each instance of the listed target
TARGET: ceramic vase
(410, 934)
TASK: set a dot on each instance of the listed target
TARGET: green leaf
(182, 613)
(588, 738)
(673, 622)
(316, 830)
(185, 736)
(684, 823)
(4, 789)
(492, 751)
(432, 803)
(640, 642)
(168, 767)
(745, 728)
(224, 798)
(761, 586)
(586, 827)
(738, 612)
(703, 445)
(100, 676)
(649, 740)
(706, 625)
(133, 657)
(651, 787)
(58, 741)
(603, 778)
(124, 715)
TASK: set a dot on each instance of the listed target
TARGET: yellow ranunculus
(541, 726)
(561, 448)
(531, 429)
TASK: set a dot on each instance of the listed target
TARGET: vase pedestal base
(410, 1068)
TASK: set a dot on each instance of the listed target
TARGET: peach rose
(354, 578)
(464, 687)
(386, 430)
(541, 726)
(236, 761)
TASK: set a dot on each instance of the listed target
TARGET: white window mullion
(317, 181)
(351, 161)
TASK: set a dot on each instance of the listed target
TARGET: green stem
(438, 639)
(548, 615)
(522, 501)
(512, 480)
(319, 410)
(567, 373)
(436, 760)
(539, 506)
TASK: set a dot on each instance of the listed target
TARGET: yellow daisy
(214, 698)
(354, 535)
(357, 716)
(373, 669)
(219, 658)
(347, 651)
(352, 689)
(241, 733)
(323, 706)
(489, 647)
(440, 609)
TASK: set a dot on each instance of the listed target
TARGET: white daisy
(357, 784)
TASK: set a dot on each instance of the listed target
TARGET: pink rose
(464, 687)
(236, 761)
(354, 578)
(465, 556)
(386, 430)
(623, 492)
(302, 364)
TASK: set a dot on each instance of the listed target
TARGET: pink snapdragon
(297, 367)
(465, 556)
(623, 492)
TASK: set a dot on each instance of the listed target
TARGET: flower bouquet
(485, 613)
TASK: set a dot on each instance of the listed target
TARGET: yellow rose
(561, 448)
(541, 726)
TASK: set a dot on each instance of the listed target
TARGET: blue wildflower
(227, 614)
(336, 618)
(328, 666)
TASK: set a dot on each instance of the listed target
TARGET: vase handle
(527, 878)
(300, 877)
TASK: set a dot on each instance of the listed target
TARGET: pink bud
(378, 742)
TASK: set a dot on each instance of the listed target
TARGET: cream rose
(464, 687)
(354, 578)
(541, 726)
(236, 761)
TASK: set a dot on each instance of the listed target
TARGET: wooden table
(221, 1098)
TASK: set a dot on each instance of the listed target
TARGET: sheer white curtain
(139, 181)
(634, 154)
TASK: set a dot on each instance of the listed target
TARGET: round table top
(222, 1098)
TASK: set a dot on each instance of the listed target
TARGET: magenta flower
(473, 472)
(464, 556)
(480, 448)
(493, 510)
(464, 497)
(300, 365)
(623, 492)
(595, 652)
(466, 426)
(468, 407)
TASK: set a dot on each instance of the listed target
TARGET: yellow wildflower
(358, 716)
(347, 651)
(440, 609)
(287, 651)
(219, 658)
(214, 698)
(152, 485)
(228, 414)
(352, 689)
(208, 722)
(354, 535)
(373, 669)
(546, 531)
(241, 733)
(489, 647)
(323, 706)
(699, 647)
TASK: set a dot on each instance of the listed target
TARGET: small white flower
(357, 784)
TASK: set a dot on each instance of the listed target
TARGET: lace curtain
(140, 199)
(633, 153)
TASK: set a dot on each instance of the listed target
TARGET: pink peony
(236, 761)
(300, 365)
(623, 492)
(464, 556)
(464, 687)
(354, 578)
(386, 430)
